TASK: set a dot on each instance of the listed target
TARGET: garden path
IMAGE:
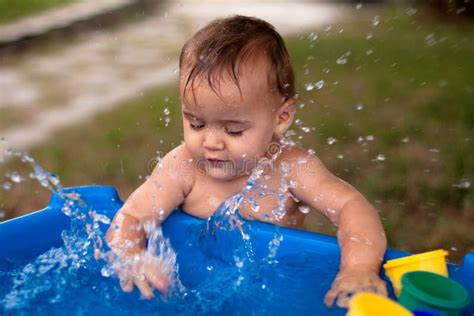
(44, 91)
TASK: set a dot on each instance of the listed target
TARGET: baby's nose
(213, 142)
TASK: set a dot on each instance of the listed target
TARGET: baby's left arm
(360, 232)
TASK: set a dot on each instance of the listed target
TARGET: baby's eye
(235, 133)
(196, 126)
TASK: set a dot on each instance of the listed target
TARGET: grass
(414, 81)
(12, 9)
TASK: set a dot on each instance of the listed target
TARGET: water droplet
(15, 177)
(369, 51)
(166, 111)
(319, 84)
(100, 218)
(331, 140)
(411, 11)
(430, 39)
(463, 184)
(318, 197)
(330, 211)
(359, 6)
(406, 140)
(304, 209)
(461, 9)
(249, 185)
(340, 156)
(380, 157)
(105, 272)
(305, 129)
(341, 60)
(369, 138)
(359, 107)
(209, 267)
(254, 206)
(309, 86)
(311, 151)
(312, 37)
(369, 36)
(7, 185)
(129, 244)
(376, 20)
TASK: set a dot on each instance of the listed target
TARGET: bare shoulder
(298, 157)
(303, 166)
(178, 165)
(293, 152)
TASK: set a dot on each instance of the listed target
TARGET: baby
(238, 100)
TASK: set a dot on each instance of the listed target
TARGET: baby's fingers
(142, 284)
(343, 298)
(339, 291)
(126, 285)
(331, 297)
(381, 288)
(159, 282)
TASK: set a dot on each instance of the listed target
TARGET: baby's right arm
(153, 201)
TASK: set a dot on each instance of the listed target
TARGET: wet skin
(225, 133)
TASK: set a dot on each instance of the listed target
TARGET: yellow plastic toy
(370, 304)
(432, 261)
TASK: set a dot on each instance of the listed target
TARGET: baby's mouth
(216, 162)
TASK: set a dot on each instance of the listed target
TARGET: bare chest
(206, 196)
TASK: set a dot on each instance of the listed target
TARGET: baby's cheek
(192, 144)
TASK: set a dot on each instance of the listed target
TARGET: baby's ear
(285, 116)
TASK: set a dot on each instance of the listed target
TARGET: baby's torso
(207, 194)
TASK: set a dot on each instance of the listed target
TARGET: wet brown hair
(224, 43)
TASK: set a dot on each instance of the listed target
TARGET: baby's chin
(224, 174)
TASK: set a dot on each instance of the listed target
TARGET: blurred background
(386, 89)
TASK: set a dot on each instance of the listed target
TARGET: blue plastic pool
(308, 264)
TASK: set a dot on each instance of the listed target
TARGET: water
(284, 287)
(63, 280)
(223, 269)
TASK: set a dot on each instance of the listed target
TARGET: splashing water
(80, 272)
(49, 276)
(343, 59)
(226, 218)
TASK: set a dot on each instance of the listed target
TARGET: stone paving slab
(104, 69)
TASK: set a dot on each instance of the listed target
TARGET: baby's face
(228, 133)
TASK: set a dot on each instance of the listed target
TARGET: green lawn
(14, 9)
(400, 109)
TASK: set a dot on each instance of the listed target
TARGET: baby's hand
(145, 271)
(351, 281)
